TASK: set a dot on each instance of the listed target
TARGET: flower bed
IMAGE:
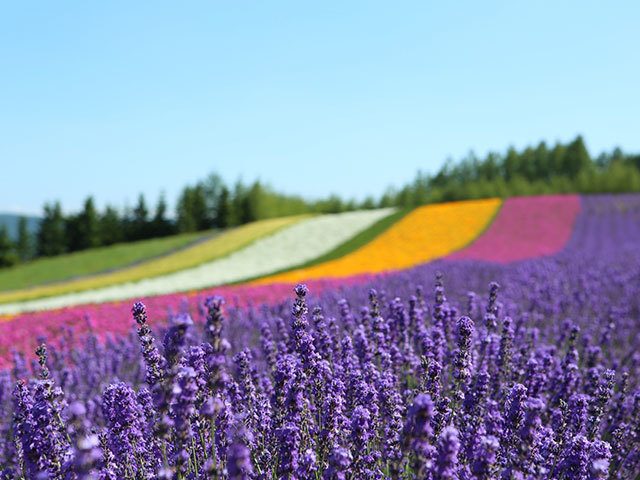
(526, 227)
(427, 233)
(217, 247)
(535, 378)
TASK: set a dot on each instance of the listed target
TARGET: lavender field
(451, 370)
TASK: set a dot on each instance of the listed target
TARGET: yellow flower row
(216, 247)
(426, 233)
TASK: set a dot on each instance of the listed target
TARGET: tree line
(535, 170)
(213, 204)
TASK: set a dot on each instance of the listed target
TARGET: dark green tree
(160, 225)
(576, 158)
(556, 159)
(140, 223)
(223, 208)
(51, 234)
(541, 162)
(111, 226)
(72, 233)
(88, 226)
(254, 198)
(212, 188)
(490, 168)
(24, 248)
(238, 203)
(528, 164)
(511, 164)
(7, 254)
(192, 209)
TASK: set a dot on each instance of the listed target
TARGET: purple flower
(125, 419)
(239, 462)
(417, 432)
(339, 463)
(446, 464)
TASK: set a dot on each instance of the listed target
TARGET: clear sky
(116, 98)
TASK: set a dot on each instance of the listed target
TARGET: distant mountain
(11, 221)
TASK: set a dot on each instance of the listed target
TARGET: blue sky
(116, 98)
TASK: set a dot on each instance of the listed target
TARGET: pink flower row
(22, 331)
(526, 227)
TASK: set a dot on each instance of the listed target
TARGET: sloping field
(217, 247)
(89, 262)
(428, 232)
(526, 227)
(601, 218)
(288, 247)
(562, 326)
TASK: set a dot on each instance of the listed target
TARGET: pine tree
(541, 162)
(161, 226)
(23, 247)
(88, 226)
(212, 190)
(7, 255)
(73, 237)
(51, 234)
(187, 221)
(511, 164)
(140, 225)
(111, 227)
(556, 159)
(223, 208)
(576, 158)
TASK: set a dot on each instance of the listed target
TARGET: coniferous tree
(140, 222)
(577, 158)
(212, 191)
(23, 246)
(238, 204)
(528, 164)
(511, 164)
(72, 232)
(253, 200)
(556, 159)
(186, 220)
(541, 162)
(7, 254)
(88, 227)
(51, 234)
(192, 209)
(161, 226)
(223, 208)
(111, 227)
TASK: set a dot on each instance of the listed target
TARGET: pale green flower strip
(287, 248)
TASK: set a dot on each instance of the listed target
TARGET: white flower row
(294, 245)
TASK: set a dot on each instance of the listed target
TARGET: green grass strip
(43, 271)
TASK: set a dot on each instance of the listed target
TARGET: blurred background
(123, 122)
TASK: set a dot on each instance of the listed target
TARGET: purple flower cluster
(540, 379)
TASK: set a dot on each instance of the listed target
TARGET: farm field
(526, 227)
(368, 242)
(454, 368)
(97, 260)
(427, 233)
(216, 247)
(386, 242)
(300, 242)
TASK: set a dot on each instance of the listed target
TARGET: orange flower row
(426, 233)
